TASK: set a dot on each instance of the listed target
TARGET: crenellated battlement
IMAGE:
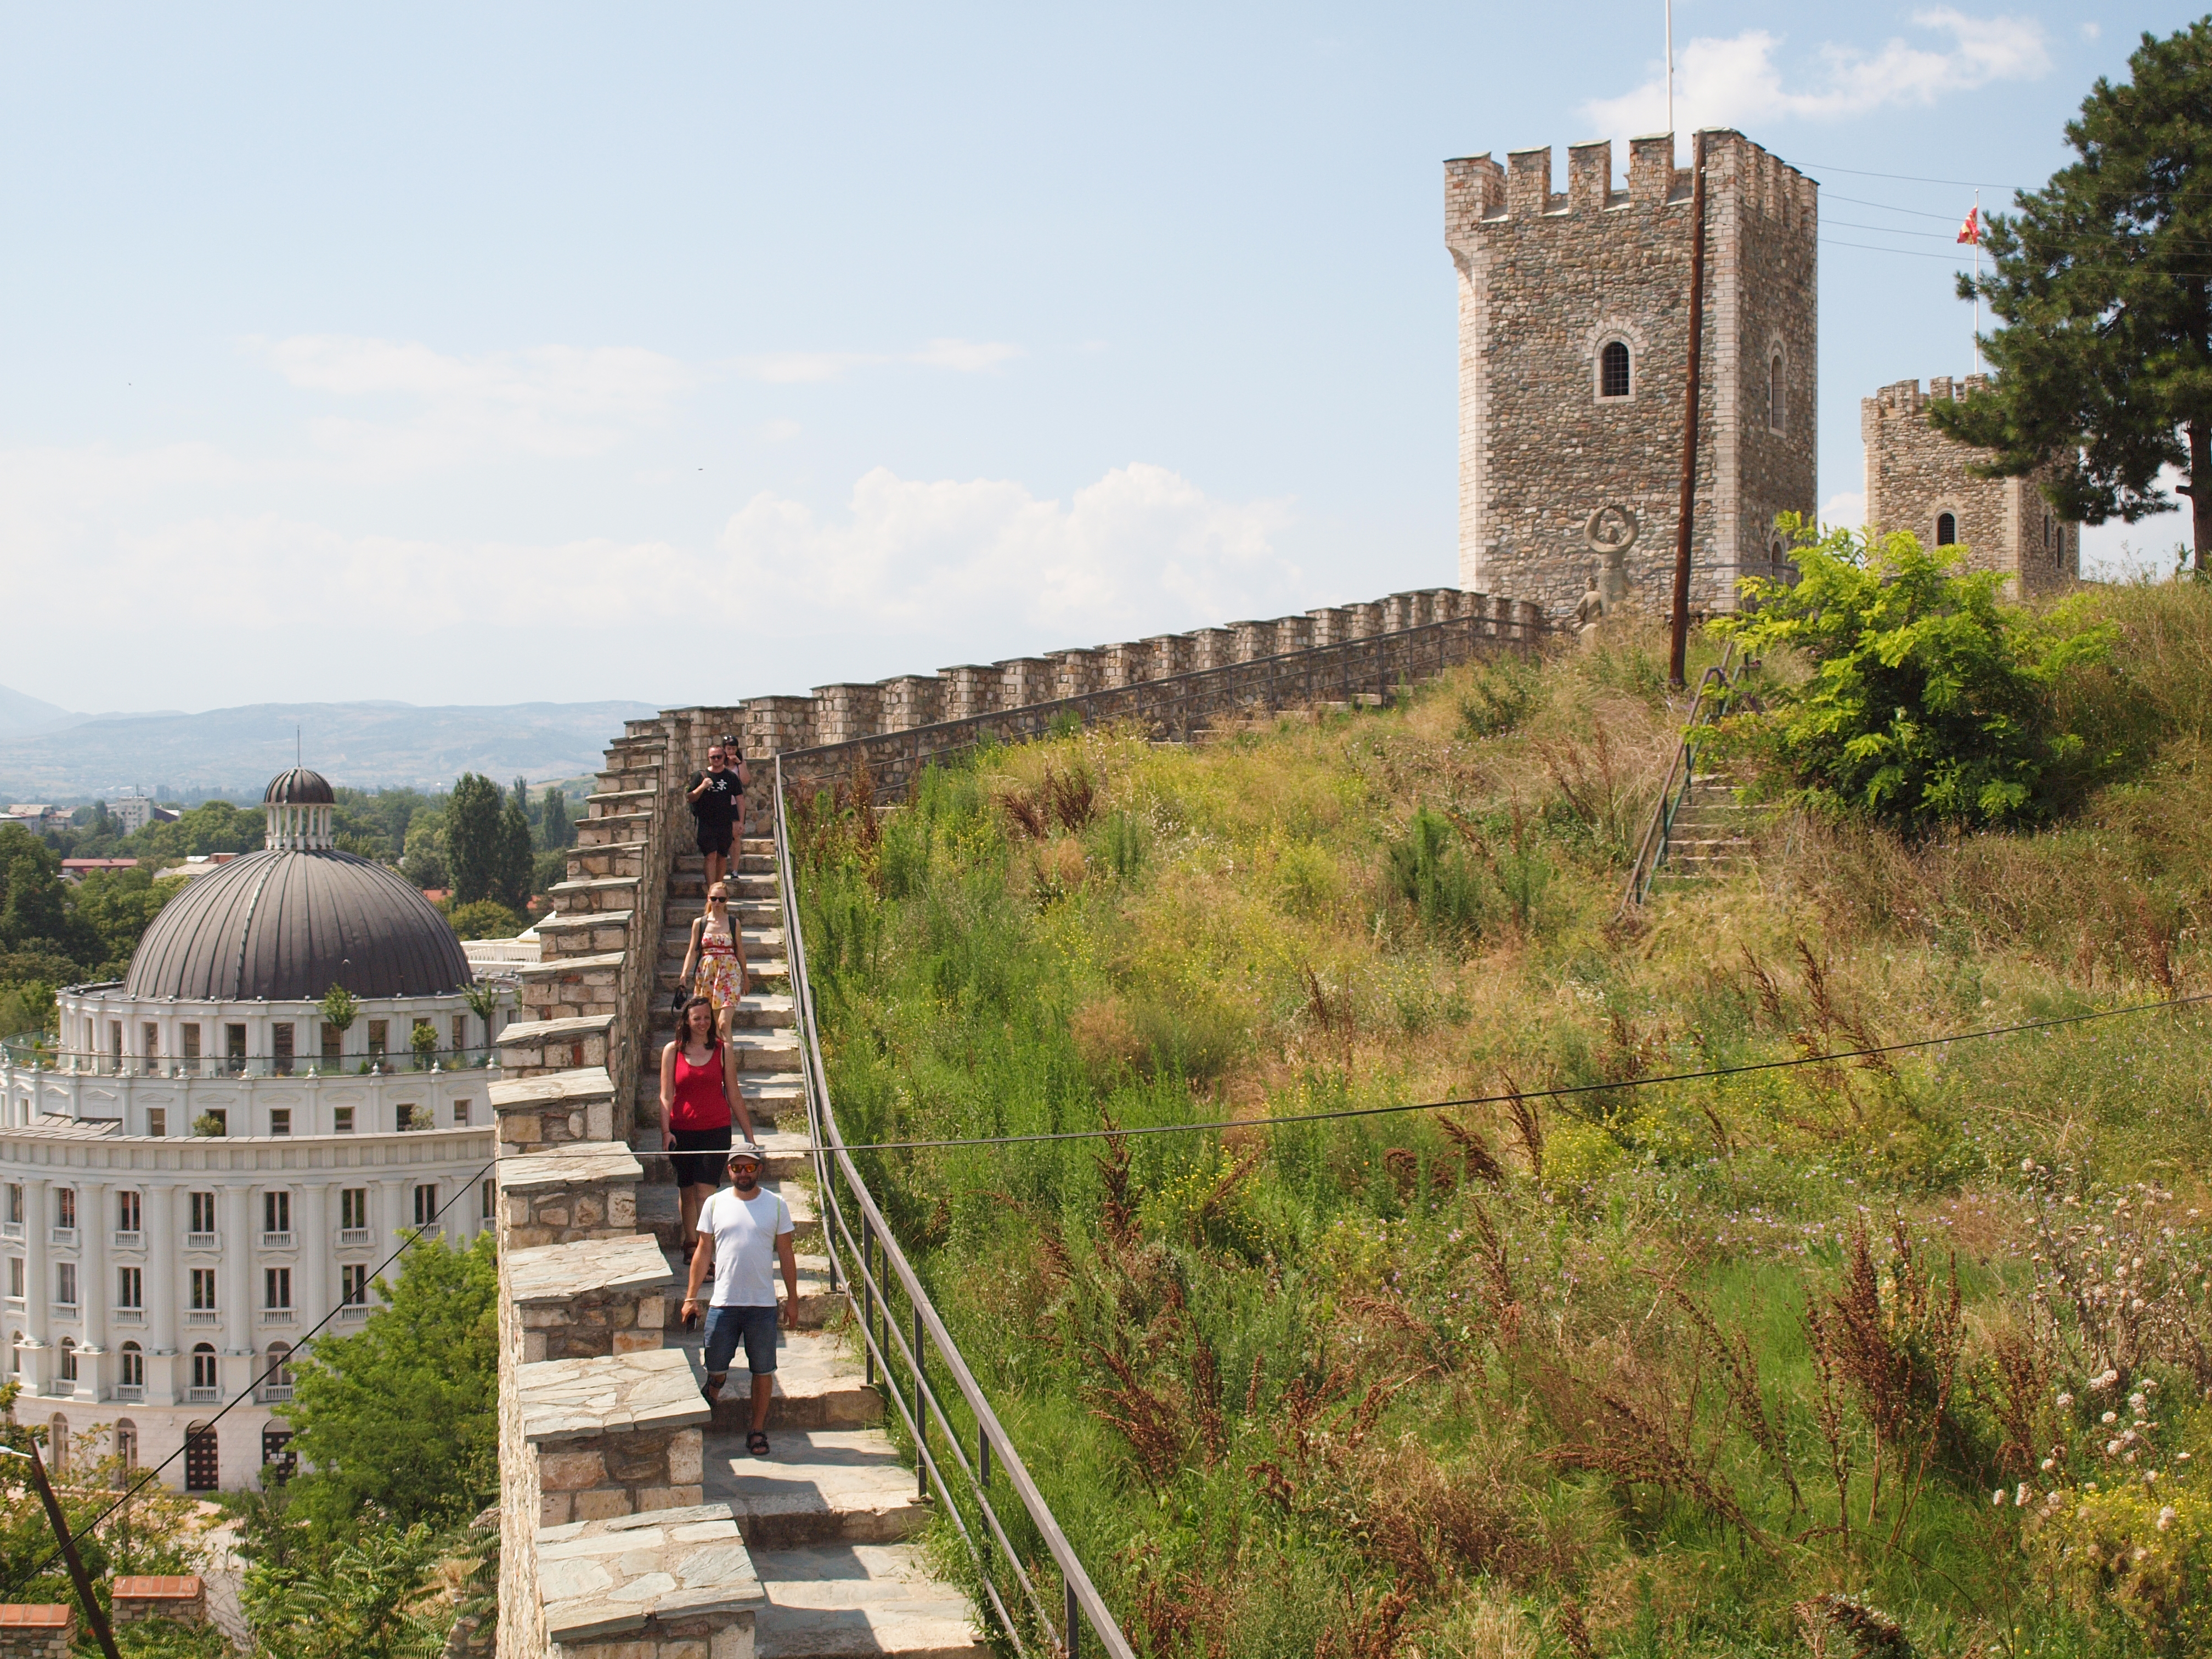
(1905, 397)
(1480, 193)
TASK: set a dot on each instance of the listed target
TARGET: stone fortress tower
(1573, 327)
(1916, 480)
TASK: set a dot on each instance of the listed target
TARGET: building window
(128, 1210)
(130, 1287)
(1778, 395)
(277, 1212)
(426, 1204)
(353, 1208)
(15, 1277)
(280, 1049)
(68, 1360)
(65, 1284)
(191, 1033)
(234, 1047)
(15, 1204)
(157, 1121)
(203, 1289)
(279, 1462)
(1612, 380)
(115, 1038)
(280, 1120)
(379, 1036)
(342, 1119)
(460, 1114)
(133, 1374)
(352, 1283)
(57, 1434)
(489, 1194)
(149, 1042)
(276, 1287)
(126, 1432)
(404, 1115)
(65, 1204)
(202, 1209)
(333, 1043)
(280, 1365)
(220, 1116)
(1946, 530)
(460, 1032)
(16, 1352)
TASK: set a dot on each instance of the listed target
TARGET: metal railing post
(921, 1422)
(867, 1301)
(1074, 1624)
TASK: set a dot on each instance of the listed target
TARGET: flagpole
(1670, 67)
(1977, 281)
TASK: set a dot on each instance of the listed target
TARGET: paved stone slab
(833, 1601)
(555, 1030)
(563, 1399)
(599, 1578)
(561, 1272)
(570, 1164)
(569, 965)
(818, 1486)
(578, 1087)
(818, 1386)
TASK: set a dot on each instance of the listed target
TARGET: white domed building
(203, 1164)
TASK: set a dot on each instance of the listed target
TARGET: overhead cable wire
(414, 1238)
(1558, 1092)
(1912, 178)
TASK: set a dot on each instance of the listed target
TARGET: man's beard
(744, 1183)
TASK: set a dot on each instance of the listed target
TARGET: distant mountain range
(48, 753)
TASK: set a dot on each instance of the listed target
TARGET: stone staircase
(643, 1528)
(1709, 837)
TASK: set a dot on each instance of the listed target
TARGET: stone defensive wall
(608, 1549)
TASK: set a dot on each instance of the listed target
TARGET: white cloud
(566, 402)
(803, 367)
(1736, 82)
(1846, 507)
(2091, 31)
(929, 555)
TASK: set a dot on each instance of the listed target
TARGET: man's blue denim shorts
(753, 1327)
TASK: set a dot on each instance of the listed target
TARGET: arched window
(204, 1373)
(1612, 380)
(279, 1369)
(69, 1359)
(1778, 395)
(57, 1443)
(15, 1351)
(133, 1372)
(126, 1446)
(1946, 530)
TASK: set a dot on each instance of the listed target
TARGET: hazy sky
(692, 352)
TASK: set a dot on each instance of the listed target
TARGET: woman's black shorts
(701, 1156)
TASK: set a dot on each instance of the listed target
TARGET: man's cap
(745, 1151)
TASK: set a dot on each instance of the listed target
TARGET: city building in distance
(201, 1164)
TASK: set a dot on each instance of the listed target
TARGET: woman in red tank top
(699, 1097)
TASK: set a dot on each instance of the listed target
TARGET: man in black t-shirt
(717, 802)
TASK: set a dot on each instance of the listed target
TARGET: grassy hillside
(1745, 1365)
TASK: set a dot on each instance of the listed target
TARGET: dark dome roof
(297, 787)
(288, 925)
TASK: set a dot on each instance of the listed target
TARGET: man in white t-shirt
(743, 1229)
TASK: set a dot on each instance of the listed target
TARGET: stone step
(659, 1211)
(840, 1602)
(817, 1385)
(816, 1488)
(816, 1305)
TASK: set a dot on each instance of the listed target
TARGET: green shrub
(485, 919)
(1429, 868)
(1929, 703)
(1503, 694)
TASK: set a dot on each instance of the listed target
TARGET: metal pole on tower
(1977, 281)
(1670, 67)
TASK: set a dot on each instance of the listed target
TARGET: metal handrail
(1706, 706)
(1082, 1603)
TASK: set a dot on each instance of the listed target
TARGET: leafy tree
(473, 841)
(368, 1594)
(549, 869)
(554, 831)
(215, 826)
(1929, 702)
(2104, 365)
(117, 906)
(483, 1000)
(485, 918)
(404, 1416)
(516, 855)
(341, 1007)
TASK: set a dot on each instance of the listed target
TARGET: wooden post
(1679, 645)
(93, 1615)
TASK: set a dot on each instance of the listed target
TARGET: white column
(312, 1295)
(162, 1243)
(396, 1214)
(93, 1221)
(238, 1253)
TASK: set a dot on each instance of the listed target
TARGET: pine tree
(554, 831)
(2104, 365)
(516, 856)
